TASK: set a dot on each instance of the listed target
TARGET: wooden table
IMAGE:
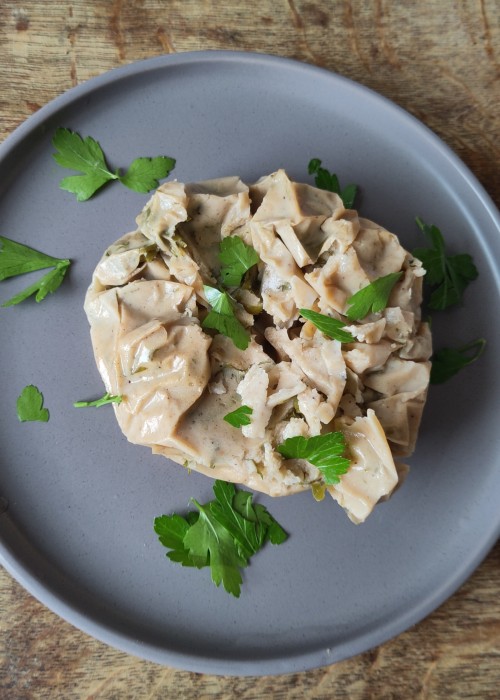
(440, 60)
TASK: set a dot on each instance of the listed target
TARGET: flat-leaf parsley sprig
(449, 275)
(222, 534)
(18, 259)
(236, 257)
(86, 156)
(449, 361)
(329, 181)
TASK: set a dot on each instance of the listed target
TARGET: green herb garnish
(373, 297)
(449, 361)
(449, 274)
(17, 259)
(223, 535)
(329, 181)
(86, 156)
(239, 417)
(237, 257)
(323, 451)
(107, 398)
(331, 327)
(222, 318)
(30, 405)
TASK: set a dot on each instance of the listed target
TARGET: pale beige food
(146, 304)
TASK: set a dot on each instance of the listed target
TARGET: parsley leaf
(239, 417)
(247, 537)
(86, 156)
(30, 405)
(374, 297)
(449, 361)
(257, 513)
(107, 398)
(331, 327)
(171, 530)
(222, 318)
(329, 181)
(144, 174)
(45, 285)
(450, 274)
(18, 259)
(237, 257)
(222, 535)
(323, 451)
(209, 538)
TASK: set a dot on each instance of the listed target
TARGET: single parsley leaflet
(239, 417)
(86, 156)
(18, 259)
(326, 452)
(222, 318)
(372, 298)
(30, 405)
(237, 257)
(331, 327)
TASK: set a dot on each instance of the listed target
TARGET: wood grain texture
(440, 60)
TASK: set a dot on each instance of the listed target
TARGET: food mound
(148, 305)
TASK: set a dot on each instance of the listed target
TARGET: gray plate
(78, 533)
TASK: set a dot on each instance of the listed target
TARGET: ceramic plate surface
(79, 500)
